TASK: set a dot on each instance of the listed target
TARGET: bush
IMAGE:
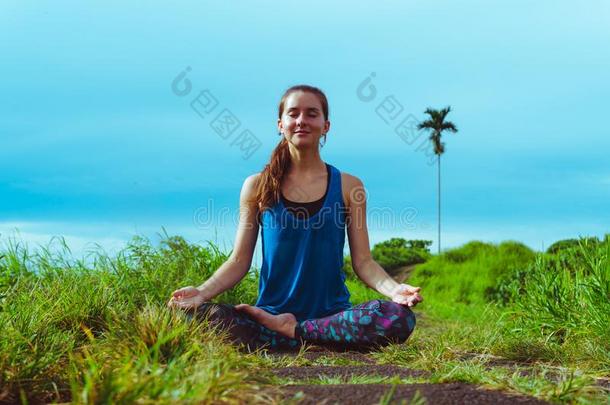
(348, 268)
(568, 304)
(398, 252)
(471, 273)
(570, 244)
(394, 254)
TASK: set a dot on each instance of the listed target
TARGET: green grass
(546, 313)
(468, 277)
(353, 379)
(97, 330)
(102, 333)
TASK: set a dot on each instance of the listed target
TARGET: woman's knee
(397, 320)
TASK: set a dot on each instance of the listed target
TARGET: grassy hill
(100, 332)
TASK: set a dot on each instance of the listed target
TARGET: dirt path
(333, 377)
(403, 272)
(304, 384)
(313, 372)
(360, 394)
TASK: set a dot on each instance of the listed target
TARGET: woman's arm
(365, 267)
(237, 265)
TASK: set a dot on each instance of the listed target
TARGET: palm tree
(438, 124)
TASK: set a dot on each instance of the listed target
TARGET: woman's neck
(305, 163)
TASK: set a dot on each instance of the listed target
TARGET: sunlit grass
(352, 379)
(97, 330)
(101, 332)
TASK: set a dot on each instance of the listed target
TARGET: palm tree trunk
(439, 203)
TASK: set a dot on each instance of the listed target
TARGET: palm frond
(428, 124)
(430, 111)
(437, 124)
(434, 114)
(449, 126)
(443, 113)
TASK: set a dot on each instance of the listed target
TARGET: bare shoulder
(350, 185)
(252, 180)
(250, 186)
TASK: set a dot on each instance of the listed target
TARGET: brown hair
(268, 191)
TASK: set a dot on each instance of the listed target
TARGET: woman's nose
(300, 119)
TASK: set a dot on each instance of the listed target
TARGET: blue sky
(96, 147)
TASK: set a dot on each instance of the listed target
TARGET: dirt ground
(454, 393)
(302, 390)
(310, 372)
(302, 393)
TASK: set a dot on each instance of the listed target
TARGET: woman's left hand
(406, 294)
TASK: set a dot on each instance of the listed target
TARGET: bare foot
(282, 323)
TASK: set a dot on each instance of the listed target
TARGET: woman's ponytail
(269, 185)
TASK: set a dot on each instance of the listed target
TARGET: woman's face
(302, 122)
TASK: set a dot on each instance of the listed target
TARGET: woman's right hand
(186, 298)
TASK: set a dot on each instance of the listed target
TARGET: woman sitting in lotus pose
(303, 207)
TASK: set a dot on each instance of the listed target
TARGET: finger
(185, 305)
(182, 293)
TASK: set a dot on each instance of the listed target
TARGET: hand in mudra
(406, 294)
(186, 298)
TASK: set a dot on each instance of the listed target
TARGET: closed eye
(296, 115)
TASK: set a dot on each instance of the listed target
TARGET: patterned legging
(364, 326)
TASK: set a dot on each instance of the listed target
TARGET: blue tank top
(302, 269)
